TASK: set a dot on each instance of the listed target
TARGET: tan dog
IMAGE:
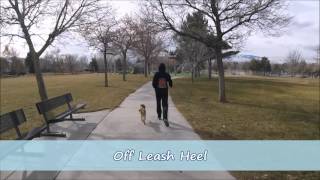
(142, 111)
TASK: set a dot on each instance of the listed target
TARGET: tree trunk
(145, 68)
(210, 68)
(106, 83)
(192, 74)
(40, 82)
(124, 69)
(222, 94)
(195, 72)
(149, 69)
(35, 58)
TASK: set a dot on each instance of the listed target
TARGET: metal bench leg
(54, 134)
(74, 119)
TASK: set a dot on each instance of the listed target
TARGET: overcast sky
(302, 34)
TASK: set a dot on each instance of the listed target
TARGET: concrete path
(124, 123)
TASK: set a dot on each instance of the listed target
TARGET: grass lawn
(258, 109)
(22, 92)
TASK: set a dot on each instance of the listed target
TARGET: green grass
(258, 109)
(22, 92)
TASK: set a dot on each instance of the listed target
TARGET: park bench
(13, 120)
(45, 107)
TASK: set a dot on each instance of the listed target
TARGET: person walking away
(161, 82)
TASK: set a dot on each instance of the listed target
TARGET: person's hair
(162, 67)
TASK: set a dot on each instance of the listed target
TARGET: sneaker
(166, 122)
(159, 118)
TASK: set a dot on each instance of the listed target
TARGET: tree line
(263, 67)
(205, 31)
(55, 62)
(52, 62)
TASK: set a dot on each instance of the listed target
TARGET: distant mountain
(243, 57)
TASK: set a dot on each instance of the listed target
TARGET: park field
(258, 109)
(22, 92)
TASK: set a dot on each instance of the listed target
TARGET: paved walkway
(124, 123)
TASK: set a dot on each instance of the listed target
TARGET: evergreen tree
(262, 65)
(192, 51)
(265, 65)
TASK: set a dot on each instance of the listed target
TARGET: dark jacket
(161, 79)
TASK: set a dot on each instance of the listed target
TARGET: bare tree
(83, 63)
(293, 61)
(56, 60)
(231, 21)
(70, 62)
(123, 40)
(47, 63)
(99, 34)
(15, 64)
(9, 52)
(4, 66)
(149, 41)
(33, 17)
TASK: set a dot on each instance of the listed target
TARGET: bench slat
(46, 106)
(6, 123)
(50, 104)
(12, 120)
(20, 117)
